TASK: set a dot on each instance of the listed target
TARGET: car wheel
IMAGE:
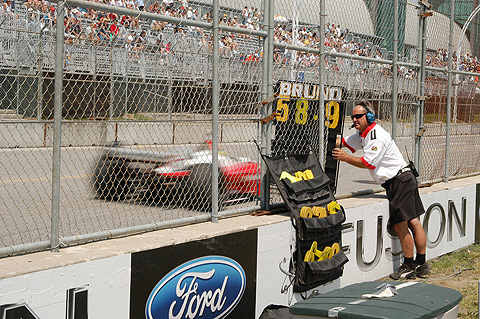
(198, 188)
(109, 180)
(103, 180)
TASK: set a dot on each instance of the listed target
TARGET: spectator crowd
(99, 28)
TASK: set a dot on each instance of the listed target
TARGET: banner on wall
(94, 289)
(211, 278)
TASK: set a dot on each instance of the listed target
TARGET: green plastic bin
(413, 300)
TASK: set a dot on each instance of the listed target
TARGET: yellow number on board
(301, 113)
(333, 114)
(282, 109)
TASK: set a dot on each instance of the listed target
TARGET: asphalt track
(26, 188)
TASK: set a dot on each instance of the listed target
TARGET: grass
(442, 118)
(459, 270)
(433, 118)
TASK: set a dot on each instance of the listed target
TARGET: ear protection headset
(369, 110)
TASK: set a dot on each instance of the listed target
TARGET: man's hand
(342, 156)
(339, 154)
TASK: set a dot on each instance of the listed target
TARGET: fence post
(265, 190)
(57, 126)
(449, 90)
(111, 98)
(395, 70)
(269, 52)
(40, 76)
(125, 96)
(269, 58)
(321, 86)
(421, 87)
(17, 69)
(215, 108)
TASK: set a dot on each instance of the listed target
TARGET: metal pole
(321, 85)
(17, 81)
(264, 189)
(422, 94)
(215, 108)
(420, 88)
(293, 62)
(449, 90)
(269, 59)
(40, 76)
(170, 87)
(110, 107)
(95, 83)
(419, 56)
(125, 110)
(395, 70)
(155, 89)
(57, 126)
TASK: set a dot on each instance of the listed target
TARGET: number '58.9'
(301, 115)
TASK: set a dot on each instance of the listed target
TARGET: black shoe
(403, 272)
(422, 270)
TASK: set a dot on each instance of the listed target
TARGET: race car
(180, 178)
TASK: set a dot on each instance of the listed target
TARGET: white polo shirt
(381, 155)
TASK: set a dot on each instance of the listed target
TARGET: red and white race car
(181, 178)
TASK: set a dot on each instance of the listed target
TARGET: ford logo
(207, 287)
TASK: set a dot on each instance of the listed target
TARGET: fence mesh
(136, 145)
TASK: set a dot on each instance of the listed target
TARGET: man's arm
(341, 155)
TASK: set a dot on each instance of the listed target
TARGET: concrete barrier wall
(235, 267)
(24, 135)
(164, 133)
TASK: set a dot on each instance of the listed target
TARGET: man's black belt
(403, 170)
(400, 172)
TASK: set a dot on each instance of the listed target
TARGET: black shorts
(403, 197)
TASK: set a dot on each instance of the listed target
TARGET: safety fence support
(395, 70)
(215, 104)
(449, 91)
(170, 96)
(55, 227)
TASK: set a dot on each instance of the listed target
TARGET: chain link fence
(160, 119)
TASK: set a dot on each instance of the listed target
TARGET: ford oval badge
(207, 287)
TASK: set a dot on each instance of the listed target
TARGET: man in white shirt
(244, 15)
(386, 165)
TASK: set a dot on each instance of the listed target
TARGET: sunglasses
(357, 116)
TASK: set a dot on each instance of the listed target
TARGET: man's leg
(407, 269)
(422, 268)
(406, 239)
(418, 235)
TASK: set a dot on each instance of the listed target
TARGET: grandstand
(146, 56)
